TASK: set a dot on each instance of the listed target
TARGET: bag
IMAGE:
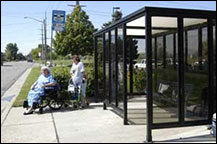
(71, 88)
(25, 104)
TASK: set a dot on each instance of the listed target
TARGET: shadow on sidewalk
(202, 138)
(67, 109)
(6, 65)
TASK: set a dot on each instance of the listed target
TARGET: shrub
(91, 81)
(62, 76)
(90, 72)
(140, 80)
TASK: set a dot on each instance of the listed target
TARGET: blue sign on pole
(58, 20)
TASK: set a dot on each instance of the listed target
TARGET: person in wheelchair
(78, 76)
(44, 81)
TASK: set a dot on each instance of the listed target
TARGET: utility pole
(77, 3)
(45, 38)
(42, 46)
(51, 45)
(44, 43)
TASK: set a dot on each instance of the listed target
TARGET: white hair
(45, 68)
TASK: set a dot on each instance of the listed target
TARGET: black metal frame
(96, 66)
(150, 12)
(149, 77)
(125, 74)
(116, 66)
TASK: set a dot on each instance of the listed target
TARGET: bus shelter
(162, 60)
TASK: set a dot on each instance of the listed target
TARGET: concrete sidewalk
(92, 125)
(11, 94)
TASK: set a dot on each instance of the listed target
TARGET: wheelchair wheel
(44, 103)
(41, 110)
(56, 104)
(75, 105)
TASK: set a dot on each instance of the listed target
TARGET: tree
(107, 24)
(78, 35)
(54, 56)
(20, 56)
(132, 49)
(11, 51)
(115, 17)
(35, 52)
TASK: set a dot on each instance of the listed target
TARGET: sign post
(58, 24)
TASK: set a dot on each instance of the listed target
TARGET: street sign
(58, 20)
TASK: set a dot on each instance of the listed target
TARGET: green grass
(66, 62)
(33, 76)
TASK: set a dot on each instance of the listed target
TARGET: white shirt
(77, 72)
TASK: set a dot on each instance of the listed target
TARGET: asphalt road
(10, 72)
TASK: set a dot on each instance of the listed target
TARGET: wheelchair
(51, 98)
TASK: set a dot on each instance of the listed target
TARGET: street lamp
(34, 19)
(45, 35)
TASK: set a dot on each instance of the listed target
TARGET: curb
(14, 81)
(11, 94)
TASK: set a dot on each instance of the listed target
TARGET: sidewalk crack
(57, 136)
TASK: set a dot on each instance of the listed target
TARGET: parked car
(29, 60)
(141, 65)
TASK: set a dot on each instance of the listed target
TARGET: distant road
(10, 72)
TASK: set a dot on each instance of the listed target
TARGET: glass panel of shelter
(214, 65)
(165, 74)
(120, 68)
(113, 68)
(136, 58)
(100, 68)
(106, 66)
(196, 77)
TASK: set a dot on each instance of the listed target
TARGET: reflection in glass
(132, 55)
(107, 65)
(196, 72)
(165, 77)
(100, 68)
(136, 58)
(120, 65)
(113, 68)
(139, 66)
(214, 65)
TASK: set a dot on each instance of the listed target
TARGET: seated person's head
(45, 71)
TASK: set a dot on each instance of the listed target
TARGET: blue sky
(27, 33)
